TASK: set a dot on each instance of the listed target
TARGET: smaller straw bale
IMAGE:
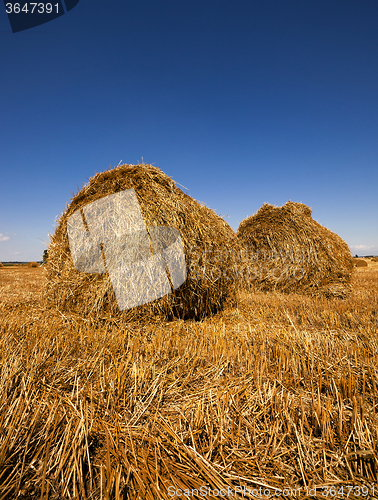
(360, 263)
(32, 264)
(290, 252)
(1, 265)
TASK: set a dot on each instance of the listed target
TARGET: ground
(277, 391)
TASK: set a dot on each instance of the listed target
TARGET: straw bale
(33, 264)
(360, 263)
(288, 251)
(1, 265)
(208, 243)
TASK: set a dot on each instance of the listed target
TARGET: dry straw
(360, 263)
(33, 264)
(289, 251)
(208, 243)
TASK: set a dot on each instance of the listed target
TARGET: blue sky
(243, 102)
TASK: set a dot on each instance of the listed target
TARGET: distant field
(20, 282)
(278, 392)
(16, 263)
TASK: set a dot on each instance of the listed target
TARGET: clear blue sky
(243, 102)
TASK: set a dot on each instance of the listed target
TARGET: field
(277, 392)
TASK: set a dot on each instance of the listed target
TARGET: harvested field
(290, 252)
(21, 284)
(278, 391)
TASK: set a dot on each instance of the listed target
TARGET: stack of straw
(288, 251)
(208, 243)
(360, 263)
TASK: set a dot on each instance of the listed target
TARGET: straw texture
(288, 251)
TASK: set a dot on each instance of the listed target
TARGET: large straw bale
(1, 264)
(288, 251)
(33, 264)
(207, 239)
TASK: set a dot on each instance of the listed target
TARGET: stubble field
(278, 392)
